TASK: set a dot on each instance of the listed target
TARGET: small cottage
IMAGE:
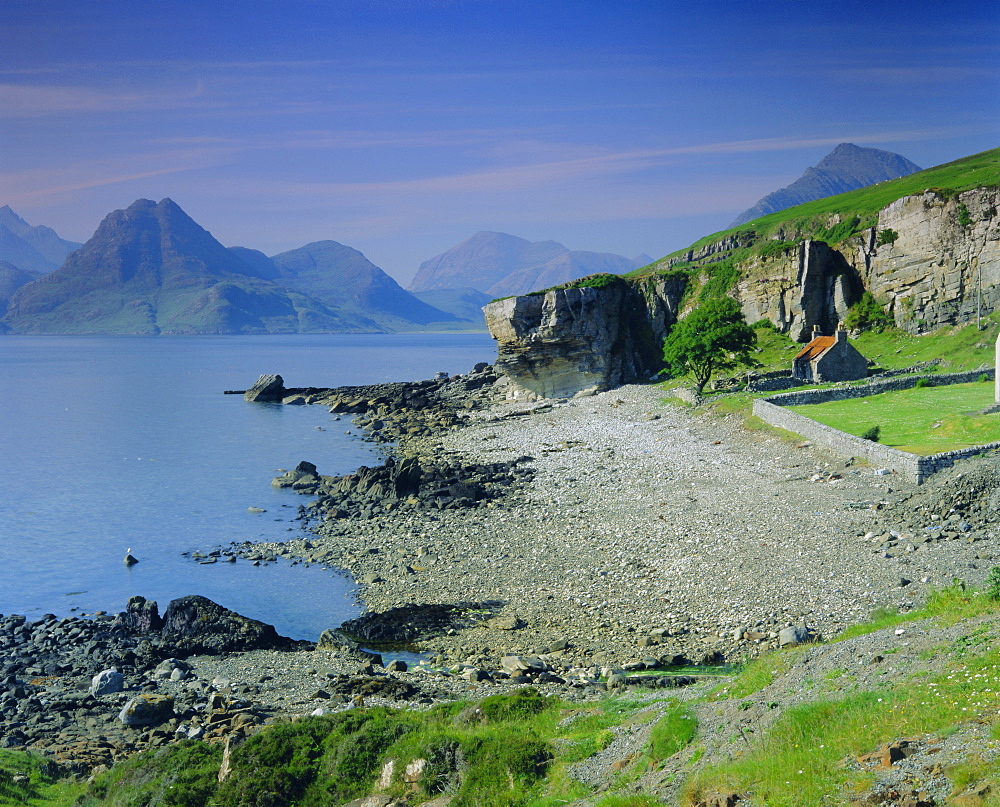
(829, 358)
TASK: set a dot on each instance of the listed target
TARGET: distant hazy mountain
(342, 277)
(500, 265)
(35, 249)
(152, 269)
(464, 303)
(846, 168)
(11, 279)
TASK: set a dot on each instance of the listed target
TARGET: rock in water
(130, 560)
(267, 389)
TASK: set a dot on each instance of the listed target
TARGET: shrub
(764, 325)
(866, 314)
(886, 236)
(983, 378)
(872, 434)
(521, 704)
(993, 584)
(964, 218)
(922, 382)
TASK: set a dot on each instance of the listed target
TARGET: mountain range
(502, 265)
(33, 249)
(846, 168)
(153, 269)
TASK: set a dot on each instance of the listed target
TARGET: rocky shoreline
(574, 545)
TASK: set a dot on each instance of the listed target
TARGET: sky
(402, 127)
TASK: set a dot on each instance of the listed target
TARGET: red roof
(816, 347)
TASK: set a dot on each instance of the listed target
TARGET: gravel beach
(645, 526)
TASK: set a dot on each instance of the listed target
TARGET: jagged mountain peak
(846, 168)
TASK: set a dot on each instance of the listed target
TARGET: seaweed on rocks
(413, 623)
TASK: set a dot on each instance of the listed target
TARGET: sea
(115, 445)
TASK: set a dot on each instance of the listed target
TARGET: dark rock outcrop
(140, 616)
(413, 623)
(195, 624)
(266, 389)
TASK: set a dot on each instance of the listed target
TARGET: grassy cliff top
(813, 218)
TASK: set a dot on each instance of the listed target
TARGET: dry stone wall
(912, 467)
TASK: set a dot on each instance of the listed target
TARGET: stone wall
(911, 467)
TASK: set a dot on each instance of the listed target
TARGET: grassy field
(923, 420)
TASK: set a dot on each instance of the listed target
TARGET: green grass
(42, 785)
(757, 674)
(673, 732)
(959, 347)
(506, 750)
(799, 760)
(923, 420)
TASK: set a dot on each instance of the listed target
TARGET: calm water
(116, 443)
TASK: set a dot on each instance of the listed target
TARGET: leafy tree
(714, 336)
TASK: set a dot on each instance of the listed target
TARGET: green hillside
(856, 210)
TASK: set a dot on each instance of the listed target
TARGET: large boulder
(267, 389)
(107, 682)
(195, 624)
(148, 709)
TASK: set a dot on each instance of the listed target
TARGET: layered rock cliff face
(947, 249)
(939, 257)
(574, 341)
(809, 284)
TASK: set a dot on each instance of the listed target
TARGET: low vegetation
(805, 757)
(518, 749)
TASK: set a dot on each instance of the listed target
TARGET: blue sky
(402, 127)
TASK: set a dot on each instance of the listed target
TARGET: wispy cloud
(522, 177)
(34, 100)
(920, 75)
(30, 187)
